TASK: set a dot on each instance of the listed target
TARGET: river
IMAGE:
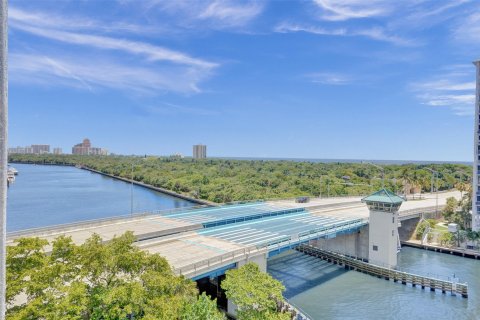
(48, 195)
(326, 291)
(45, 195)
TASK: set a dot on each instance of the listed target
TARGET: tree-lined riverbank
(221, 180)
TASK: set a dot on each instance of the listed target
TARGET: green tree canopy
(97, 280)
(223, 180)
(255, 293)
(203, 308)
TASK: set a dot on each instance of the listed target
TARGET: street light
(380, 168)
(131, 183)
(131, 192)
(435, 175)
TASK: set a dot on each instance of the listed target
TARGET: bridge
(205, 241)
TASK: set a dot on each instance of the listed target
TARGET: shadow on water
(300, 272)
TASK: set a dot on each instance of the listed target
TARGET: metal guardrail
(124, 218)
(193, 269)
(413, 213)
(101, 221)
(218, 261)
(334, 205)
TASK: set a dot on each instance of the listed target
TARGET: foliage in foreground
(97, 280)
(459, 211)
(222, 180)
(256, 294)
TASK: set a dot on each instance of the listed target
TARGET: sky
(328, 79)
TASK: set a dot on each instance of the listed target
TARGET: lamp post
(320, 195)
(131, 192)
(380, 168)
(435, 176)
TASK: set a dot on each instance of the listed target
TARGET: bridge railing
(218, 261)
(413, 213)
(314, 234)
(205, 265)
(100, 221)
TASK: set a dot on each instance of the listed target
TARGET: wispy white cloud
(467, 29)
(376, 33)
(154, 68)
(216, 14)
(340, 10)
(447, 85)
(72, 23)
(231, 13)
(451, 89)
(151, 52)
(329, 78)
(51, 71)
(425, 15)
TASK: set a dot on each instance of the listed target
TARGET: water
(49, 195)
(325, 291)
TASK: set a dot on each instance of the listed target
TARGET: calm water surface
(49, 195)
(325, 291)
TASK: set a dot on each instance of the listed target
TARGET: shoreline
(138, 183)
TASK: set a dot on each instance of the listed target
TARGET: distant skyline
(320, 79)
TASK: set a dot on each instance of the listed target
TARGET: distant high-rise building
(40, 148)
(199, 151)
(34, 149)
(476, 160)
(85, 148)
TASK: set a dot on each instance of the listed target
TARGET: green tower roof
(383, 196)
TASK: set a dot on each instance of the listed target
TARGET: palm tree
(462, 187)
(406, 177)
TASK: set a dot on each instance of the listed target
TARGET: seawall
(148, 186)
(138, 183)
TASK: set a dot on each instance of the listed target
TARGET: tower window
(375, 248)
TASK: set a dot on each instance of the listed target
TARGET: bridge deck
(198, 239)
(228, 214)
(274, 230)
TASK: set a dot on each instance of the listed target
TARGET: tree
(203, 308)
(462, 187)
(447, 239)
(96, 280)
(255, 293)
(232, 180)
(450, 209)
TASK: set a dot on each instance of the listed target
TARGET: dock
(467, 253)
(351, 263)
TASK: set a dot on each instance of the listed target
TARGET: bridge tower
(383, 238)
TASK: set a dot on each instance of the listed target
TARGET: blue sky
(351, 79)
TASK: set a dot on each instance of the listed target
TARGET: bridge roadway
(208, 240)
